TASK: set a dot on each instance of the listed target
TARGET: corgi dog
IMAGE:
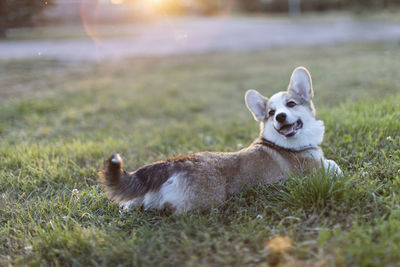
(290, 134)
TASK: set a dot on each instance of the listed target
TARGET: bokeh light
(117, 2)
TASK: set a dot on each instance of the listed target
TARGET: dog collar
(265, 142)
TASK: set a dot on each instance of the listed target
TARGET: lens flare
(101, 16)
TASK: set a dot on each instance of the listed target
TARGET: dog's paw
(331, 167)
(130, 205)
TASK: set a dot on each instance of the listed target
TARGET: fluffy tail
(121, 186)
(113, 178)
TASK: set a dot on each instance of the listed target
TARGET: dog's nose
(281, 117)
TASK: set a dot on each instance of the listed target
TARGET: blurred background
(98, 29)
(24, 12)
(152, 79)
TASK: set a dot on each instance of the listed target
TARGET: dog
(290, 134)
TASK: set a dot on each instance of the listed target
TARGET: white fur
(116, 159)
(311, 134)
(130, 205)
(331, 167)
(152, 200)
(172, 192)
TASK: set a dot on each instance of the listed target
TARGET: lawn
(59, 121)
(72, 31)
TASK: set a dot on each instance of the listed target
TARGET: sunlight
(156, 2)
(155, 5)
(150, 3)
(117, 2)
(135, 8)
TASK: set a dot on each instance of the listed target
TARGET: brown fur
(211, 176)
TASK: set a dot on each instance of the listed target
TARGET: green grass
(58, 122)
(72, 31)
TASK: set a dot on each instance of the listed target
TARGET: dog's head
(288, 118)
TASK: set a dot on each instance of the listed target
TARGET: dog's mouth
(289, 130)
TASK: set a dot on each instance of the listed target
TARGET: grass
(72, 31)
(58, 122)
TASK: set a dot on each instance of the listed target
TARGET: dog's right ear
(257, 104)
(301, 84)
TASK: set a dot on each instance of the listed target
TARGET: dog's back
(198, 180)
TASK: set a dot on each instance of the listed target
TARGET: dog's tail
(115, 181)
(121, 186)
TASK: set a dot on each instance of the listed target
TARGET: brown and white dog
(288, 143)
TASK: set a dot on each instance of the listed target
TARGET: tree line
(22, 13)
(19, 13)
(282, 6)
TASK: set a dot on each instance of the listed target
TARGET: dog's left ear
(301, 84)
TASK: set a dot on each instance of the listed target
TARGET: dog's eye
(271, 112)
(291, 104)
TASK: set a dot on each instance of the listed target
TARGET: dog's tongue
(288, 129)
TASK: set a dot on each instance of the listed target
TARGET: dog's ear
(257, 104)
(301, 84)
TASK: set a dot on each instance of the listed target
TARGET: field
(59, 121)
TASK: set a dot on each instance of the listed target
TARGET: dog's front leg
(331, 167)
